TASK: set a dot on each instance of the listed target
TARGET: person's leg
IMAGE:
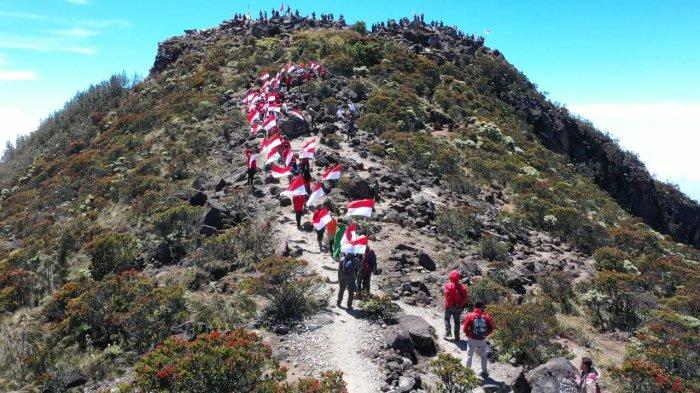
(366, 283)
(341, 290)
(298, 217)
(456, 315)
(319, 238)
(484, 358)
(351, 295)
(330, 244)
(448, 318)
(471, 346)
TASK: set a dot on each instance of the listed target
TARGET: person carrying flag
(298, 202)
(331, 230)
(252, 165)
(369, 266)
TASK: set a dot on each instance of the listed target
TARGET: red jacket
(455, 293)
(467, 326)
(298, 201)
(251, 164)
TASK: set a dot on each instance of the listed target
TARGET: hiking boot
(350, 307)
(484, 375)
(457, 338)
(448, 335)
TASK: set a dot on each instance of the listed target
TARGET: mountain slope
(148, 176)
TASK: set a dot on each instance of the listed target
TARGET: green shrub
(559, 286)
(126, 309)
(492, 249)
(291, 289)
(524, 332)
(177, 221)
(239, 247)
(234, 362)
(112, 252)
(459, 223)
(617, 300)
(487, 291)
(379, 308)
(610, 258)
(453, 376)
(330, 382)
(203, 110)
(15, 288)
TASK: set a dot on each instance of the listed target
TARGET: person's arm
(489, 325)
(466, 326)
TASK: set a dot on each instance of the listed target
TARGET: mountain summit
(150, 241)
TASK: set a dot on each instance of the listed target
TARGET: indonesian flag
(296, 114)
(274, 107)
(309, 148)
(270, 122)
(280, 171)
(252, 115)
(252, 160)
(264, 75)
(349, 235)
(250, 97)
(287, 157)
(271, 97)
(362, 207)
(316, 194)
(272, 156)
(296, 187)
(321, 218)
(333, 173)
(255, 128)
(273, 142)
(356, 246)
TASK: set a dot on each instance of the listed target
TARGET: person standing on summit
(455, 301)
(478, 325)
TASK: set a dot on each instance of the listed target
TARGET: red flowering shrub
(15, 288)
(214, 362)
(664, 356)
(330, 382)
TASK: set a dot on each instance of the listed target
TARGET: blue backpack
(479, 328)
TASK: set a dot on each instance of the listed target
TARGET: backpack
(348, 266)
(479, 328)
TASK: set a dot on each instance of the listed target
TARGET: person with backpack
(478, 325)
(455, 301)
(369, 266)
(298, 202)
(588, 380)
(349, 265)
(351, 130)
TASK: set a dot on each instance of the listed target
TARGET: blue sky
(629, 66)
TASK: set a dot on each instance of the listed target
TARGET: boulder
(406, 384)
(294, 128)
(358, 188)
(198, 199)
(73, 379)
(164, 255)
(282, 249)
(400, 340)
(557, 375)
(421, 333)
(426, 261)
(207, 230)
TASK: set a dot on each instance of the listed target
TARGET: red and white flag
(297, 114)
(296, 187)
(274, 107)
(356, 246)
(308, 150)
(288, 157)
(252, 115)
(271, 97)
(272, 156)
(321, 218)
(362, 207)
(270, 122)
(280, 171)
(273, 142)
(255, 128)
(264, 75)
(252, 160)
(349, 235)
(333, 173)
(317, 193)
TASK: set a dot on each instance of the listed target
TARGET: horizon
(51, 50)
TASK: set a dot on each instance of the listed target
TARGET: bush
(239, 247)
(492, 249)
(15, 288)
(330, 382)
(617, 300)
(453, 376)
(459, 223)
(425, 152)
(112, 252)
(663, 356)
(524, 332)
(290, 288)
(126, 309)
(177, 221)
(487, 291)
(379, 308)
(559, 286)
(610, 258)
(234, 362)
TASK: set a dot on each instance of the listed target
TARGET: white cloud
(77, 32)
(43, 44)
(17, 121)
(17, 75)
(79, 2)
(665, 135)
(22, 15)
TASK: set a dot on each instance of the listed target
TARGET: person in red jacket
(478, 325)
(252, 165)
(455, 301)
(298, 201)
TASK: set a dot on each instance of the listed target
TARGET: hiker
(478, 325)
(298, 201)
(347, 275)
(351, 128)
(588, 380)
(305, 168)
(319, 232)
(252, 165)
(455, 301)
(340, 113)
(331, 230)
(369, 266)
(375, 191)
(352, 109)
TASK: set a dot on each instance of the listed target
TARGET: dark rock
(198, 199)
(73, 379)
(282, 249)
(285, 201)
(281, 329)
(207, 230)
(399, 339)
(426, 261)
(307, 226)
(220, 185)
(164, 255)
(421, 334)
(557, 375)
(294, 128)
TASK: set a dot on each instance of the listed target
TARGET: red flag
(316, 195)
(272, 156)
(252, 115)
(362, 207)
(321, 218)
(296, 187)
(333, 173)
(280, 171)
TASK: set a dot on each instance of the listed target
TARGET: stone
(399, 339)
(285, 201)
(220, 185)
(164, 255)
(557, 375)
(281, 329)
(282, 249)
(421, 333)
(214, 218)
(198, 199)
(406, 384)
(73, 379)
(427, 262)
(207, 230)
(294, 128)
